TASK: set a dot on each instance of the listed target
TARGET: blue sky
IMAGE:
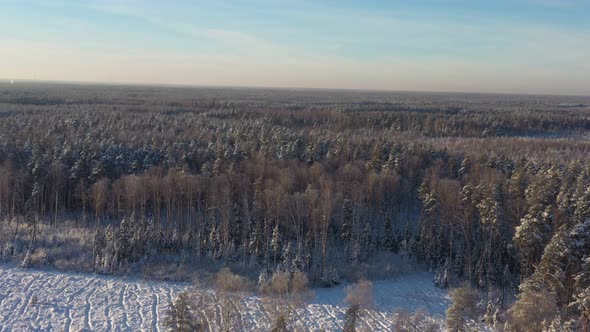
(528, 46)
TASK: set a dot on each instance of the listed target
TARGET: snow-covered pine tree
(297, 263)
(582, 204)
(564, 200)
(530, 238)
(256, 243)
(347, 223)
(582, 293)
(214, 244)
(465, 166)
(442, 275)
(429, 239)
(355, 251)
(275, 243)
(491, 216)
(287, 256)
(390, 163)
(389, 241)
(108, 261)
(554, 269)
(123, 242)
(367, 242)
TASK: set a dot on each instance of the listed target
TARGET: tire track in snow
(139, 310)
(109, 319)
(123, 305)
(88, 308)
(69, 319)
(3, 297)
(28, 295)
(155, 319)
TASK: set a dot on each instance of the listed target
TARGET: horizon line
(298, 88)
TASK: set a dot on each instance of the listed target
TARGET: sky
(513, 46)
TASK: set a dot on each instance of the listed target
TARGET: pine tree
(355, 251)
(390, 163)
(375, 164)
(582, 211)
(214, 244)
(275, 243)
(256, 244)
(429, 233)
(263, 279)
(346, 230)
(297, 262)
(287, 256)
(564, 199)
(465, 166)
(366, 238)
(481, 269)
(389, 240)
(441, 275)
(582, 293)
(180, 318)
(579, 244)
(554, 266)
(108, 261)
(123, 244)
(531, 237)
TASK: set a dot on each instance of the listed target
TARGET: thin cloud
(244, 43)
(554, 3)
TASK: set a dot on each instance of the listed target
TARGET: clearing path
(34, 300)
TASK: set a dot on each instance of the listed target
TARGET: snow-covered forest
(491, 193)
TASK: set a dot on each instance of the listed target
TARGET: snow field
(32, 300)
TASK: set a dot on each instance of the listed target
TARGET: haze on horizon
(514, 46)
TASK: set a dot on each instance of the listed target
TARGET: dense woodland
(492, 190)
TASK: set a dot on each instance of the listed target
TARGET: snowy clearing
(32, 300)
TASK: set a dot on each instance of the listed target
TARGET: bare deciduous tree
(359, 297)
(98, 196)
(463, 308)
(533, 309)
(230, 290)
(283, 294)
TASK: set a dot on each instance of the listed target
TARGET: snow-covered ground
(32, 300)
